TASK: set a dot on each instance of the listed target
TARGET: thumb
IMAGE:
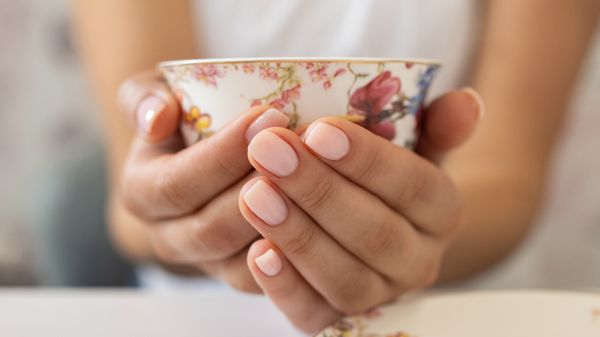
(448, 122)
(150, 106)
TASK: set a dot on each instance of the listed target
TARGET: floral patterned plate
(384, 95)
(479, 314)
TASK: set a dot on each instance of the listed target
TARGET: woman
(162, 209)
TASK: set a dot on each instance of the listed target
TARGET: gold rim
(367, 60)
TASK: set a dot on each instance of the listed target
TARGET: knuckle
(300, 245)
(406, 255)
(415, 188)
(405, 243)
(368, 167)
(348, 297)
(131, 204)
(165, 252)
(421, 276)
(382, 239)
(228, 165)
(168, 189)
(316, 196)
(213, 240)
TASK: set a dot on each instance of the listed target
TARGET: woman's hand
(350, 220)
(187, 197)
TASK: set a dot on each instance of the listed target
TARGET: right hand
(187, 197)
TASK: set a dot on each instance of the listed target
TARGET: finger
(149, 106)
(215, 232)
(234, 272)
(279, 280)
(449, 122)
(160, 184)
(359, 221)
(345, 281)
(406, 182)
(321, 191)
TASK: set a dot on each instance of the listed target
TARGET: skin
(194, 227)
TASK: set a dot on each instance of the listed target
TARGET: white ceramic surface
(384, 95)
(480, 314)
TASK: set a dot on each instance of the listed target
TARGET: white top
(564, 249)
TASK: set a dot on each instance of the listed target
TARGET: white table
(112, 313)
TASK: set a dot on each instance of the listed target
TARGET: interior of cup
(374, 60)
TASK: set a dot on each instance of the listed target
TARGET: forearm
(527, 64)
(499, 210)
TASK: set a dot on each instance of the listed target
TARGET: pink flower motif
(409, 65)
(256, 102)
(369, 101)
(207, 73)
(376, 94)
(309, 65)
(291, 94)
(278, 103)
(268, 73)
(249, 68)
(319, 73)
(339, 72)
(327, 84)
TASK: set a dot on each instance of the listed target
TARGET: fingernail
(147, 113)
(270, 118)
(327, 141)
(273, 153)
(269, 263)
(266, 203)
(477, 101)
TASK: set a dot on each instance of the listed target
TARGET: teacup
(384, 95)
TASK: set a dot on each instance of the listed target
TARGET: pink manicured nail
(273, 153)
(477, 100)
(270, 118)
(266, 203)
(269, 263)
(328, 141)
(148, 111)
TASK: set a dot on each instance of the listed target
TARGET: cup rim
(373, 60)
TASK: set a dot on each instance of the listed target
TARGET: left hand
(351, 220)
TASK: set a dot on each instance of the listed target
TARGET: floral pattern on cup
(370, 100)
(358, 326)
(376, 95)
(193, 117)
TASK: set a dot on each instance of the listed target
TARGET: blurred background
(52, 189)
